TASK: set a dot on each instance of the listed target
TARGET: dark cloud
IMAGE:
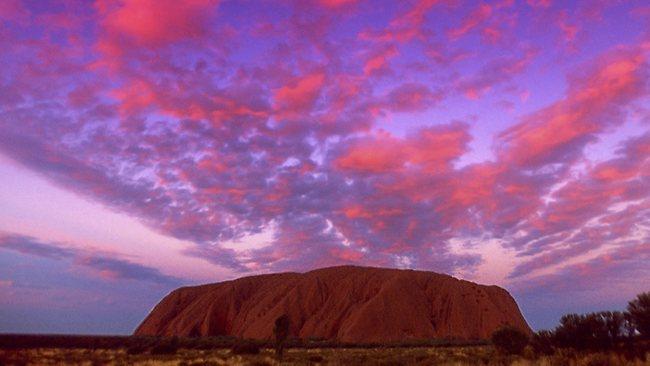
(106, 266)
(124, 270)
(31, 246)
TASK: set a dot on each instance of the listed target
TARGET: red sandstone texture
(348, 304)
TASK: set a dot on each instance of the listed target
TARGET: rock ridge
(345, 303)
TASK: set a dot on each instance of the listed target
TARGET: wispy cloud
(106, 266)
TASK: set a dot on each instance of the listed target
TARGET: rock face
(348, 304)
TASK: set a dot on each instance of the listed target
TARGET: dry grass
(452, 356)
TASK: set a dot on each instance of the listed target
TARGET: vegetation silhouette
(600, 331)
(281, 332)
(245, 347)
(167, 346)
(639, 314)
(509, 340)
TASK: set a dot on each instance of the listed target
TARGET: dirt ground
(484, 355)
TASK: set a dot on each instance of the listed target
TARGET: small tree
(639, 310)
(588, 331)
(509, 340)
(281, 332)
(567, 333)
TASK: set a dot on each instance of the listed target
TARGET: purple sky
(148, 144)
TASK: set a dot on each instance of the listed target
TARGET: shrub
(509, 340)
(166, 346)
(594, 331)
(639, 310)
(163, 349)
(137, 349)
(281, 332)
(542, 342)
(243, 347)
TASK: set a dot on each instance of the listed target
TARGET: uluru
(347, 304)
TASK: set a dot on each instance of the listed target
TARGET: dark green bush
(593, 331)
(165, 346)
(137, 349)
(639, 310)
(615, 324)
(509, 340)
(542, 342)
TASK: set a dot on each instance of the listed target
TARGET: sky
(151, 144)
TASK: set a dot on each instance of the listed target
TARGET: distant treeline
(598, 331)
(15, 341)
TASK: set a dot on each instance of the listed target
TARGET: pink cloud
(431, 149)
(347, 255)
(404, 27)
(539, 3)
(300, 95)
(593, 103)
(14, 10)
(479, 15)
(378, 60)
(493, 73)
(569, 30)
(154, 23)
(411, 97)
(378, 155)
(336, 3)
